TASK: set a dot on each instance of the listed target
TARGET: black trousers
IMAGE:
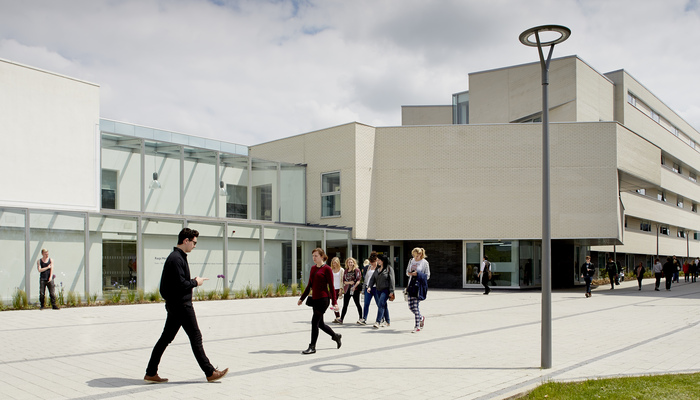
(669, 279)
(42, 293)
(485, 282)
(657, 275)
(346, 300)
(612, 280)
(180, 316)
(317, 320)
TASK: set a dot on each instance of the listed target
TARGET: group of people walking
(670, 270)
(327, 283)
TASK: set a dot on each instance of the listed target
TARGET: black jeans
(485, 282)
(42, 293)
(320, 307)
(588, 280)
(657, 275)
(669, 279)
(180, 316)
(639, 280)
(346, 300)
(612, 280)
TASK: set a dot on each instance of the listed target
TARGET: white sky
(251, 71)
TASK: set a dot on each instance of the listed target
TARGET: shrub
(295, 291)
(131, 296)
(268, 290)
(71, 299)
(115, 297)
(301, 285)
(141, 295)
(249, 291)
(154, 296)
(281, 290)
(239, 294)
(211, 295)
(19, 299)
(225, 293)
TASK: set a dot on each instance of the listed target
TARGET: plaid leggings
(413, 306)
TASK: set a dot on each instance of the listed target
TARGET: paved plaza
(473, 347)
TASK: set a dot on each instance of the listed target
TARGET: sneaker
(154, 379)
(422, 321)
(340, 322)
(376, 325)
(361, 321)
(217, 375)
(384, 324)
(416, 329)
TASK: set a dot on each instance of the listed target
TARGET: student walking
(658, 271)
(338, 273)
(587, 272)
(383, 277)
(370, 291)
(485, 274)
(418, 271)
(669, 270)
(611, 267)
(353, 278)
(639, 271)
(176, 286)
(322, 294)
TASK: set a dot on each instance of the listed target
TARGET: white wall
(49, 125)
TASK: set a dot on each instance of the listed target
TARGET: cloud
(252, 71)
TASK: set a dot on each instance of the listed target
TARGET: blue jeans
(368, 301)
(382, 310)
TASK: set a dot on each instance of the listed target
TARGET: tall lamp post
(526, 39)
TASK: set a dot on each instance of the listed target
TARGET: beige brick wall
(426, 115)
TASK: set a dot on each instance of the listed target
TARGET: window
(696, 235)
(693, 177)
(645, 226)
(236, 201)
(330, 194)
(694, 208)
(663, 160)
(109, 189)
(654, 116)
(681, 233)
(663, 230)
(661, 196)
(679, 201)
(642, 191)
(631, 99)
(676, 168)
(263, 202)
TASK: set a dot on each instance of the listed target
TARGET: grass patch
(667, 387)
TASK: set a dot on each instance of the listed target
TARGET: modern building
(107, 198)
(463, 181)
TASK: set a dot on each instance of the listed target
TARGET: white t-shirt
(368, 275)
(418, 266)
(337, 277)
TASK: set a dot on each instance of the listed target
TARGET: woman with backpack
(418, 271)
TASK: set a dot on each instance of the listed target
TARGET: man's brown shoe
(217, 375)
(154, 379)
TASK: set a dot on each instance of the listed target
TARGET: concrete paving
(473, 347)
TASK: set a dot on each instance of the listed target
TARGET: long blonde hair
(335, 261)
(354, 264)
(420, 251)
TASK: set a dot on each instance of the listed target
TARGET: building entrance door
(471, 256)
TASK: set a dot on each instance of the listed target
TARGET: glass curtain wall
(243, 267)
(12, 263)
(530, 263)
(265, 191)
(113, 248)
(63, 235)
(207, 258)
(278, 255)
(159, 236)
(162, 177)
(121, 172)
(233, 178)
(337, 245)
(307, 241)
(472, 257)
(293, 191)
(504, 260)
(201, 185)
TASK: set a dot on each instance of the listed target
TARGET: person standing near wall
(639, 271)
(611, 267)
(587, 272)
(485, 274)
(45, 267)
(658, 271)
(418, 271)
(322, 294)
(176, 286)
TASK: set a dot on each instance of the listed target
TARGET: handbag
(310, 301)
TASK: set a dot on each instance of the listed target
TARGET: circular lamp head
(561, 30)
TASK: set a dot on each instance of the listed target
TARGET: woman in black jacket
(383, 277)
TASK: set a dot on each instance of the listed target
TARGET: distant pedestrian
(383, 278)
(587, 272)
(322, 294)
(639, 271)
(611, 268)
(45, 267)
(695, 265)
(676, 270)
(485, 274)
(176, 286)
(418, 271)
(658, 272)
(338, 273)
(352, 280)
(669, 270)
(686, 272)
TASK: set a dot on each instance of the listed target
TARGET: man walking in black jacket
(176, 288)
